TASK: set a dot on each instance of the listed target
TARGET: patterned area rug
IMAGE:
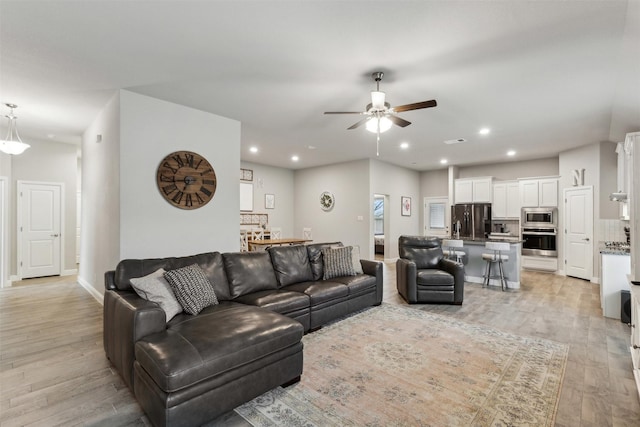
(398, 366)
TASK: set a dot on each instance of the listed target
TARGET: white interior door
(578, 236)
(437, 216)
(39, 229)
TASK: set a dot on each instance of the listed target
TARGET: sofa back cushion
(210, 262)
(314, 252)
(291, 264)
(425, 251)
(249, 272)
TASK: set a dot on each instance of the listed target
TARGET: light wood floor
(53, 370)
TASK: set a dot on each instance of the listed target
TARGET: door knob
(586, 239)
(54, 235)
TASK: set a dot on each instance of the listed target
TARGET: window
(437, 216)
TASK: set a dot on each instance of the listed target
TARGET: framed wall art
(406, 206)
(269, 201)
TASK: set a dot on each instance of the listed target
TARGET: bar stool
(451, 244)
(496, 257)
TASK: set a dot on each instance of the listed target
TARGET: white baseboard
(595, 280)
(69, 272)
(13, 278)
(492, 282)
(92, 291)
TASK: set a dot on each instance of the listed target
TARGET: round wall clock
(327, 201)
(186, 180)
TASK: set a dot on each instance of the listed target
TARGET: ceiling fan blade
(415, 106)
(360, 123)
(398, 121)
(344, 112)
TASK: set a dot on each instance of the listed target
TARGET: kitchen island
(475, 266)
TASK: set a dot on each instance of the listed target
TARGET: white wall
(279, 182)
(513, 169)
(349, 183)
(608, 181)
(150, 129)
(99, 237)
(396, 182)
(49, 161)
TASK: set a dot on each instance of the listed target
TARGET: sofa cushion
(154, 287)
(279, 301)
(221, 338)
(433, 277)
(249, 272)
(337, 262)
(315, 257)
(291, 264)
(210, 262)
(192, 288)
(320, 291)
(359, 284)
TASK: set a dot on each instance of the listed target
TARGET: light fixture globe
(12, 144)
(383, 121)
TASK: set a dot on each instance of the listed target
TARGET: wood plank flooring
(53, 370)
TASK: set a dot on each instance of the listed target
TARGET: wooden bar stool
(496, 257)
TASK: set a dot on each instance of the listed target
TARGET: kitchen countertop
(483, 241)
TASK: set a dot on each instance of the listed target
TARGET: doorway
(437, 216)
(40, 218)
(578, 225)
(381, 227)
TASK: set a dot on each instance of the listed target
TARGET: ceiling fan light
(372, 124)
(377, 100)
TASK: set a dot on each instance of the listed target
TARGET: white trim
(391, 259)
(63, 234)
(69, 272)
(4, 231)
(92, 291)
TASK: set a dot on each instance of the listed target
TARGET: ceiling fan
(379, 114)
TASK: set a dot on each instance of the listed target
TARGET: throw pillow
(154, 287)
(337, 262)
(355, 258)
(192, 288)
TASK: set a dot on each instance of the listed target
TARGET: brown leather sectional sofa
(194, 368)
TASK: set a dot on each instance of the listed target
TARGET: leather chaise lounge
(192, 369)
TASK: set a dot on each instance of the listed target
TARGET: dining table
(267, 243)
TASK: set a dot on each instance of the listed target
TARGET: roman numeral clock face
(186, 180)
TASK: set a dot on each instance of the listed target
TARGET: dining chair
(306, 233)
(244, 241)
(276, 233)
(257, 234)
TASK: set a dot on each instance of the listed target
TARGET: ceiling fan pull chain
(378, 143)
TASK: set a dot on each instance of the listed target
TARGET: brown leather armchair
(423, 275)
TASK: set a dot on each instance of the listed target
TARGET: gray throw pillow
(338, 262)
(355, 257)
(192, 288)
(154, 287)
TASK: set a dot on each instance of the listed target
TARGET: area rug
(398, 366)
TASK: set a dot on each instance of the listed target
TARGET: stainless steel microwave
(539, 217)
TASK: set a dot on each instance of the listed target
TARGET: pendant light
(12, 144)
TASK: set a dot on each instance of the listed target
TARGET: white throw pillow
(355, 257)
(154, 287)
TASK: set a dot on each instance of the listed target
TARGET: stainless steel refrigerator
(472, 221)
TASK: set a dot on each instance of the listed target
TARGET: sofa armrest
(406, 275)
(456, 269)
(128, 318)
(374, 268)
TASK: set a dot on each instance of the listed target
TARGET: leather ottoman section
(357, 285)
(212, 343)
(211, 398)
(320, 292)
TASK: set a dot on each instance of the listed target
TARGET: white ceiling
(545, 76)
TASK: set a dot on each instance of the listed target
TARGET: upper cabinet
(541, 192)
(506, 200)
(473, 190)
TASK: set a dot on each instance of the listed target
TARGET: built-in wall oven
(540, 231)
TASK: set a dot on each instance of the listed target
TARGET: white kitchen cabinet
(541, 192)
(506, 200)
(473, 190)
(635, 334)
(540, 263)
(613, 279)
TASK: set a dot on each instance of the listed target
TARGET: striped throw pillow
(192, 288)
(337, 262)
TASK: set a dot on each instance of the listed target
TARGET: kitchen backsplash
(611, 230)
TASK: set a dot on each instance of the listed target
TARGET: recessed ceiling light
(511, 153)
(484, 131)
(311, 147)
(253, 149)
(443, 161)
(295, 158)
(404, 145)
